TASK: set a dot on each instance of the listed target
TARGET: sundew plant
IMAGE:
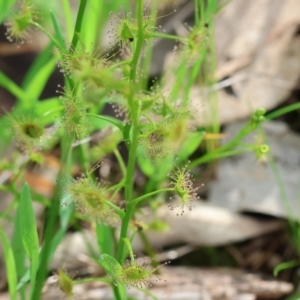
(104, 50)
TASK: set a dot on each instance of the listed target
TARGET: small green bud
(258, 117)
(260, 111)
(264, 148)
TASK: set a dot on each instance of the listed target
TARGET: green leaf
(110, 120)
(19, 250)
(58, 33)
(38, 82)
(13, 88)
(104, 240)
(285, 265)
(39, 72)
(156, 170)
(190, 145)
(65, 212)
(295, 296)
(110, 264)
(10, 266)
(28, 230)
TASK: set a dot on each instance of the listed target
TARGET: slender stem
(134, 127)
(121, 63)
(127, 243)
(216, 155)
(165, 36)
(139, 199)
(93, 279)
(218, 152)
(50, 229)
(50, 36)
(121, 162)
(279, 112)
(197, 12)
(119, 211)
(78, 24)
(111, 120)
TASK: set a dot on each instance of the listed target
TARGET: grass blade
(10, 265)
(28, 230)
(10, 86)
(19, 252)
(58, 33)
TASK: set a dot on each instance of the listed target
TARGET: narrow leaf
(28, 231)
(10, 265)
(9, 85)
(58, 33)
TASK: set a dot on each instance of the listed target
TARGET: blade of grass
(19, 252)
(10, 266)
(41, 60)
(58, 33)
(285, 265)
(38, 82)
(13, 88)
(282, 111)
(104, 239)
(68, 17)
(94, 21)
(28, 230)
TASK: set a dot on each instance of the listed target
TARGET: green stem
(111, 120)
(165, 36)
(279, 112)
(139, 199)
(78, 24)
(135, 131)
(148, 248)
(216, 155)
(127, 243)
(121, 162)
(218, 152)
(146, 64)
(93, 279)
(123, 233)
(121, 63)
(119, 211)
(51, 37)
(51, 222)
